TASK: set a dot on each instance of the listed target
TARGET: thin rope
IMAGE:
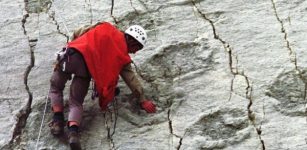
(46, 103)
(109, 112)
(115, 109)
(62, 19)
(42, 122)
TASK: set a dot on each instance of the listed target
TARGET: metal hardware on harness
(61, 54)
(64, 66)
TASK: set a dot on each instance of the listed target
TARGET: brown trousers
(73, 65)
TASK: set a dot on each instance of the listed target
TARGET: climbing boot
(74, 141)
(57, 127)
(57, 124)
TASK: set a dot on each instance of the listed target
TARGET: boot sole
(57, 133)
(75, 146)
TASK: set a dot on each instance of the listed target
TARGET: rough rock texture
(224, 74)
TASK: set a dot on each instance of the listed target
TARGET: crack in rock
(112, 7)
(172, 69)
(52, 17)
(23, 114)
(37, 6)
(58, 26)
(144, 5)
(292, 53)
(207, 19)
(172, 62)
(89, 5)
(283, 30)
(180, 143)
(234, 71)
(183, 3)
(251, 115)
(170, 65)
(170, 123)
(133, 7)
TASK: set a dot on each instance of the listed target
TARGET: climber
(99, 52)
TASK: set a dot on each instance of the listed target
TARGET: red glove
(148, 106)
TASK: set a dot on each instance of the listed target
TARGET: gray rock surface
(224, 74)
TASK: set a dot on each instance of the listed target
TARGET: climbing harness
(63, 56)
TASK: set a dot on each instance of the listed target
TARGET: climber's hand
(148, 106)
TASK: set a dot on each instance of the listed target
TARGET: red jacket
(105, 52)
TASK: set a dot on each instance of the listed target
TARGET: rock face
(228, 74)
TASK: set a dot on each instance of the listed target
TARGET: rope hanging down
(115, 101)
(46, 103)
(62, 19)
(115, 111)
(42, 122)
(45, 109)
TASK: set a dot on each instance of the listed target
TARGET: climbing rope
(110, 135)
(46, 103)
(62, 19)
(42, 122)
(115, 111)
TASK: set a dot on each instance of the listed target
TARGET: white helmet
(138, 33)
